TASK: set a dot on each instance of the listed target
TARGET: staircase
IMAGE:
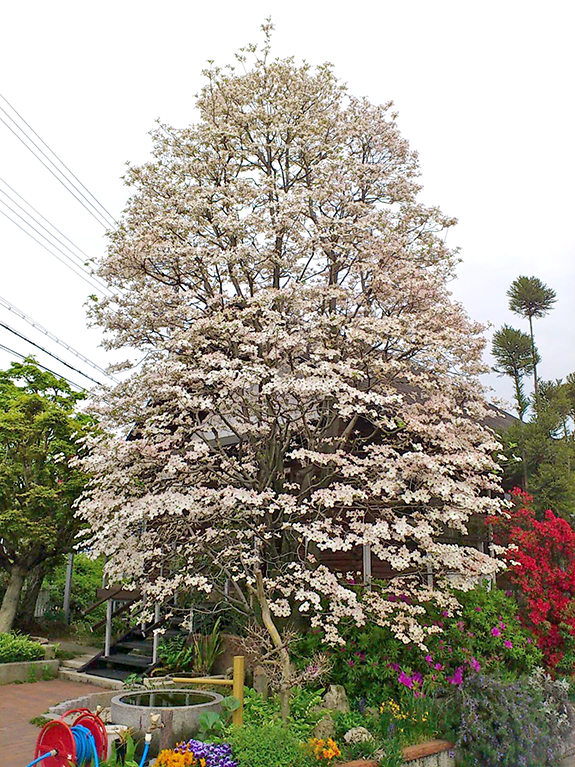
(131, 654)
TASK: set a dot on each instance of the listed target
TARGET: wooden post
(68, 587)
(238, 689)
(108, 638)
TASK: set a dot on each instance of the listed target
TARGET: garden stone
(335, 699)
(358, 735)
(325, 728)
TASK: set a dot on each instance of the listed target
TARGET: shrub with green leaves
(15, 647)
(485, 635)
(269, 744)
(305, 711)
(522, 723)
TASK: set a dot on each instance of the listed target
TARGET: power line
(59, 160)
(22, 357)
(37, 326)
(37, 212)
(67, 188)
(78, 274)
(42, 349)
(81, 264)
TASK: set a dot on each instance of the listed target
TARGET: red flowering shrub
(542, 566)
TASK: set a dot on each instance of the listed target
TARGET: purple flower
(508, 644)
(457, 677)
(350, 663)
(478, 609)
(475, 665)
(438, 667)
(405, 680)
(495, 632)
(417, 678)
(394, 666)
(429, 659)
(445, 614)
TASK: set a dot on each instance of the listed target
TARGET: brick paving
(21, 702)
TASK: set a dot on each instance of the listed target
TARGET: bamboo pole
(238, 689)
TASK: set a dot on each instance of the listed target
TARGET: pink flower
(445, 614)
(496, 632)
(475, 665)
(457, 677)
(478, 609)
(529, 640)
(508, 644)
(460, 625)
(405, 680)
(438, 667)
(429, 659)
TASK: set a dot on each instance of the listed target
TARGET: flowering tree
(308, 383)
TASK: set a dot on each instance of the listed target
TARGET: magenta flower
(508, 644)
(478, 609)
(475, 665)
(350, 663)
(496, 632)
(457, 677)
(429, 659)
(445, 614)
(405, 680)
(417, 678)
(438, 667)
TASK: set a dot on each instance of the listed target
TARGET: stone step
(77, 662)
(99, 681)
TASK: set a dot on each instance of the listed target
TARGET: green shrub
(87, 577)
(15, 647)
(305, 711)
(522, 723)
(266, 745)
(371, 661)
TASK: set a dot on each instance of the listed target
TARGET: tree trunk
(34, 583)
(11, 598)
(535, 384)
(284, 693)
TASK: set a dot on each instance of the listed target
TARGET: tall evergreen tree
(514, 357)
(529, 298)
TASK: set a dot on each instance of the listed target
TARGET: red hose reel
(57, 735)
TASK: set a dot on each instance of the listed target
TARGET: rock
(325, 728)
(261, 682)
(358, 735)
(335, 699)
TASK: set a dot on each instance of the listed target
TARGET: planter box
(434, 753)
(24, 671)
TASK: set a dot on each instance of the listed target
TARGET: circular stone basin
(179, 712)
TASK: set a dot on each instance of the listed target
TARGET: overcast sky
(484, 92)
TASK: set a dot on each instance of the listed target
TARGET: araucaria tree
(529, 298)
(40, 430)
(308, 384)
(514, 357)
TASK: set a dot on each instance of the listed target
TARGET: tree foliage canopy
(39, 429)
(309, 385)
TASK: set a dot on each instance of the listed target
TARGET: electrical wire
(42, 349)
(78, 274)
(59, 160)
(37, 212)
(48, 370)
(100, 220)
(80, 264)
(37, 326)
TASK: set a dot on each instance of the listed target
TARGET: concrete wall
(23, 672)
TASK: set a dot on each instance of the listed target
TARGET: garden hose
(39, 758)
